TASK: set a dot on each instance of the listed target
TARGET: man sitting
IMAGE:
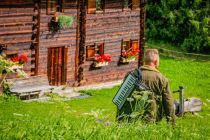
(159, 85)
(149, 104)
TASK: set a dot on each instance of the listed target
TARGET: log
(192, 105)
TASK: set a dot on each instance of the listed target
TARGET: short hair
(151, 55)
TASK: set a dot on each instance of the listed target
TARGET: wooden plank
(65, 65)
(60, 66)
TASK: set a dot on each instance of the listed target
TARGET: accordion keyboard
(125, 90)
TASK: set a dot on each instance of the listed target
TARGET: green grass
(94, 117)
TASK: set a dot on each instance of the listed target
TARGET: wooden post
(77, 42)
(181, 101)
(36, 33)
(142, 34)
(82, 28)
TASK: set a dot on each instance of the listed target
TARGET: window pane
(91, 6)
(135, 45)
(126, 45)
(90, 51)
(54, 6)
(99, 5)
(135, 4)
(100, 49)
(127, 4)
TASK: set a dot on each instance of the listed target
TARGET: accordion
(132, 82)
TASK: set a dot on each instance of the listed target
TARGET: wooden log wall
(16, 22)
(65, 37)
(110, 28)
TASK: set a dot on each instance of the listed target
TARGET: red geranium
(22, 59)
(15, 59)
(103, 58)
(130, 54)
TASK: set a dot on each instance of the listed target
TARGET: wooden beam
(142, 32)
(83, 11)
(37, 6)
(77, 42)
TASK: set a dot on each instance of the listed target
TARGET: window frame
(122, 45)
(93, 10)
(96, 48)
(49, 9)
(130, 5)
(130, 43)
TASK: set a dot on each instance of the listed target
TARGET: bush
(183, 23)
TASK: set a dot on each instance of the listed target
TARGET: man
(158, 84)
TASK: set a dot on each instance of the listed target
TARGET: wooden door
(57, 65)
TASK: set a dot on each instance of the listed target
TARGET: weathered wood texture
(16, 22)
(24, 24)
(110, 28)
(63, 38)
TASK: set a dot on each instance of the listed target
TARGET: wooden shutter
(91, 6)
(101, 49)
(135, 44)
(90, 52)
(135, 4)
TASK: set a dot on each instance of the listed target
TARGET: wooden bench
(28, 87)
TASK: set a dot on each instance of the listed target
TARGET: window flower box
(127, 60)
(130, 56)
(101, 61)
(100, 64)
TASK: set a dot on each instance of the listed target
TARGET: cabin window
(129, 45)
(135, 44)
(126, 45)
(131, 4)
(94, 50)
(135, 4)
(95, 6)
(127, 4)
(55, 6)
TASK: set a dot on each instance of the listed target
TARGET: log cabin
(99, 28)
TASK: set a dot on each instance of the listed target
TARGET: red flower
(103, 58)
(14, 59)
(23, 58)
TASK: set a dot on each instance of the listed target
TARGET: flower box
(101, 61)
(127, 60)
(100, 64)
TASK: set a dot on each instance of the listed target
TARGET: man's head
(151, 58)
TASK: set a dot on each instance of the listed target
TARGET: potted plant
(59, 22)
(129, 56)
(19, 61)
(101, 61)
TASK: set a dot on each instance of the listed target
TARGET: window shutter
(135, 44)
(91, 6)
(135, 4)
(101, 48)
(90, 51)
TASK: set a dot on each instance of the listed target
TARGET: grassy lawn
(94, 117)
